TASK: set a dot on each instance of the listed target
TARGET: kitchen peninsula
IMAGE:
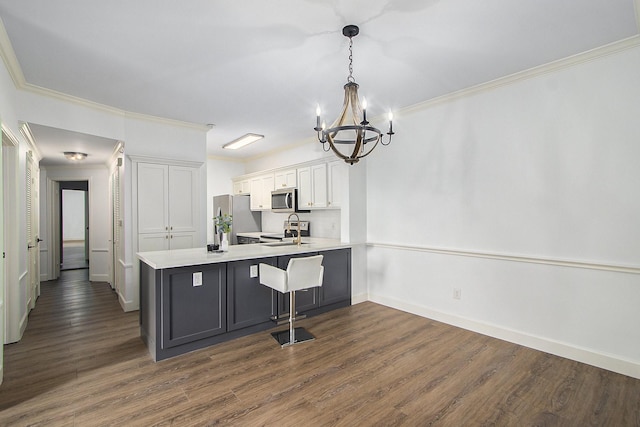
(191, 298)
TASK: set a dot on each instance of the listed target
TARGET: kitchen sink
(275, 244)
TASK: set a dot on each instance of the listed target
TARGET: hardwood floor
(81, 362)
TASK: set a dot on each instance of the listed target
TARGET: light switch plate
(253, 271)
(197, 278)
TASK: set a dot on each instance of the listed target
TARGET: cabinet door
(255, 196)
(183, 199)
(261, 188)
(304, 188)
(182, 240)
(319, 185)
(248, 302)
(305, 300)
(241, 187)
(153, 202)
(336, 284)
(285, 179)
(191, 312)
(153, 242)
(267, 188)
(336, 181)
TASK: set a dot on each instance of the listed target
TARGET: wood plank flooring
(82, 363)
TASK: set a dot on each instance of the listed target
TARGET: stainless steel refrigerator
(244, 219)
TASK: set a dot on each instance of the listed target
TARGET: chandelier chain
(350, 79)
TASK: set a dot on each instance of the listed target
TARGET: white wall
(73, 215)
(540, 175)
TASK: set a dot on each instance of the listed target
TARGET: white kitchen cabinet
(261, 188)
(312, 187)
(337, 174)
(241, 187)
(167, 197)
(285, 179)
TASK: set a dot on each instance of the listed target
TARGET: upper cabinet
(261, 188)
(320, 185)
(285, 179)
(336, 181)
(312, 187)
(241, 187)
(167, 199)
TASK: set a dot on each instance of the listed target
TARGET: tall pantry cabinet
(167, 206)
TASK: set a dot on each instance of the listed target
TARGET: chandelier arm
(371, 149)
(335, 149)
(358, 145)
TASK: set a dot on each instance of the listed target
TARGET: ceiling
(262, 67)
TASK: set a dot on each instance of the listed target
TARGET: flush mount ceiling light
(351, 130)
(242, 141)
(75, 155)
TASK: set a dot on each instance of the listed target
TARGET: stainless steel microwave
(285, 201)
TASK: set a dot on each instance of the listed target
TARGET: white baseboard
(99, 278)
(357, 299)
(127, 305)
(23, 325)
(600, 360)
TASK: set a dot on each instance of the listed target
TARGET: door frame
(54, 220)
(10, 166)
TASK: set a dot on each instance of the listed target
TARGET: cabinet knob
(172, 236)
(166, 229)
(171, 228)
(328, 203)
(166, 237)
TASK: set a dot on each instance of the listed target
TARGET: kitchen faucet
(298, 239)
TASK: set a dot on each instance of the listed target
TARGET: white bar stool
(301, 273)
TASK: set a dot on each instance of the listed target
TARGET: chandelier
(351, 136)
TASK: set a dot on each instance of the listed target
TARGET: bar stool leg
(293, 335)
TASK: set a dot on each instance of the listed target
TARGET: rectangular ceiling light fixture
(242, 141)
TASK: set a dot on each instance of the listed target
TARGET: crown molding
(570, 61)
(15, 71)
(9, 57)
(25, 130)
(11, 139)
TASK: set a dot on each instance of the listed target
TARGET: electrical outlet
(197, 278)
(457, 293)
(253, 271)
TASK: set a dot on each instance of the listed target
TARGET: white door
(33, 255)
(116, 226)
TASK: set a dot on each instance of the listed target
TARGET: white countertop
(198, 256)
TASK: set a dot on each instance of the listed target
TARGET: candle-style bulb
(390, 116)
(318, 111)
(364, 110)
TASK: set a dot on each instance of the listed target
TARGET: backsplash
(324, 223)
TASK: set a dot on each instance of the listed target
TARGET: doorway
(74, 225)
